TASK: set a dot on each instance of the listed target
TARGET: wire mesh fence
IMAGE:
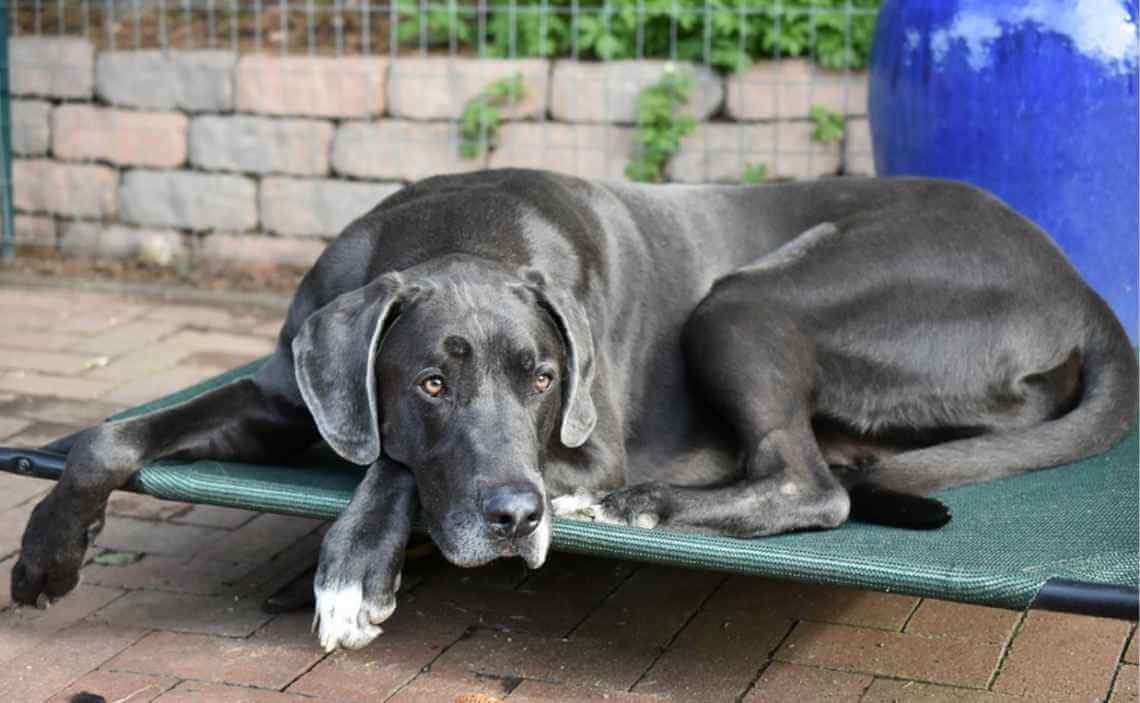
(254, 129)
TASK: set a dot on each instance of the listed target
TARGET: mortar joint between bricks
(910, 616)
(1007, 647)
(692, 616)
(609, 594)
(426, 668)
(767, 661)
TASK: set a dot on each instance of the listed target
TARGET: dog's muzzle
(512, 511)
(513, 525)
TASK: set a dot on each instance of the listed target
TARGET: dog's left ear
(334, 356)
(578, 412)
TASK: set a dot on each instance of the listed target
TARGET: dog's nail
(43, 602)
(645, 521)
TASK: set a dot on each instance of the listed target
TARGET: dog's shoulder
(482, 213)
(517, 182)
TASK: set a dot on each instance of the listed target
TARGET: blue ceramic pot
(1033, 100)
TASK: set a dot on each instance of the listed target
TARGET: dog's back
(641, 258)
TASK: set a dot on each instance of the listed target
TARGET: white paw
(586, 505)
(346, 619)
(579, 504)
(600, 513)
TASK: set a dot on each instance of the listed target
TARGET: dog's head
(465, 376)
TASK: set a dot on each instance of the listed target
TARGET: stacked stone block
(188, 200)
(398, 150)
(52, 68)
(121, 137)
(43, 186)
(247, 144)
(438, 88)
(312, 207)
(161, 246)
(607, 92)
(31, 133)
(312, 86)
(190, 81)
(262, 158)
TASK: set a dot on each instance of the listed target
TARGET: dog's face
(465, 380)
(468, 379)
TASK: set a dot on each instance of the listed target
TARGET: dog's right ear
(334, 356)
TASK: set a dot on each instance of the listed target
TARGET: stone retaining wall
(261, 158)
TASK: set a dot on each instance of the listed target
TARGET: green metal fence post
(7, 225)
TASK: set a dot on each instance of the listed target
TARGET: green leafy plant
(438, 26)
(727, 34)
(754, 174)
(479, 123)
(661, 127)
(828, 125)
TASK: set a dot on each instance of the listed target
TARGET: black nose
(511, 511)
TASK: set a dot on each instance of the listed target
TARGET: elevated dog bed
(1059, 539)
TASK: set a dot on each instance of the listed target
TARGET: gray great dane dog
(743, 361)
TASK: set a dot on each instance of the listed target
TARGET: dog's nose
(511, 511)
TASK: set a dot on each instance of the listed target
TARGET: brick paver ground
(169, 607)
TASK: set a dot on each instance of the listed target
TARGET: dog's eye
(432, 385)
(542, 381)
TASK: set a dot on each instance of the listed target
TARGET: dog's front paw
(349, 614)
(51, 554)
(643, 505)
(355, 591)
(582, 504)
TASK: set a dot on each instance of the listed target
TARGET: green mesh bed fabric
(1006, 539)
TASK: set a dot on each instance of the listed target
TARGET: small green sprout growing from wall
(828, 125)
(754, 174)
(479, 123)
(661, 127)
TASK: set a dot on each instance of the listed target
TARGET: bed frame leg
(1097, 599)
(32, 462)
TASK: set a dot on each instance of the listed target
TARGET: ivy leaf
(754, 173)
(608, 47)
(479, 122)
(829, 126)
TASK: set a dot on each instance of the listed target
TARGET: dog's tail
(1105, 413)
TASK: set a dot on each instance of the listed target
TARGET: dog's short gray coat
(736, 360)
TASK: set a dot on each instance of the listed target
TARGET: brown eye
(432, 385)
(542, 382)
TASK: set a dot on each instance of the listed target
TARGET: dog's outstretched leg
(361, 558)
(238, 421)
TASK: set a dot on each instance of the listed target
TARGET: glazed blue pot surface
(1033, 100)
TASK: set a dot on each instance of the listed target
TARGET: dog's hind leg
(757, 370)
(241, 421)
(1105, 411)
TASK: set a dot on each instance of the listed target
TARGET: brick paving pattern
(169, 607)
